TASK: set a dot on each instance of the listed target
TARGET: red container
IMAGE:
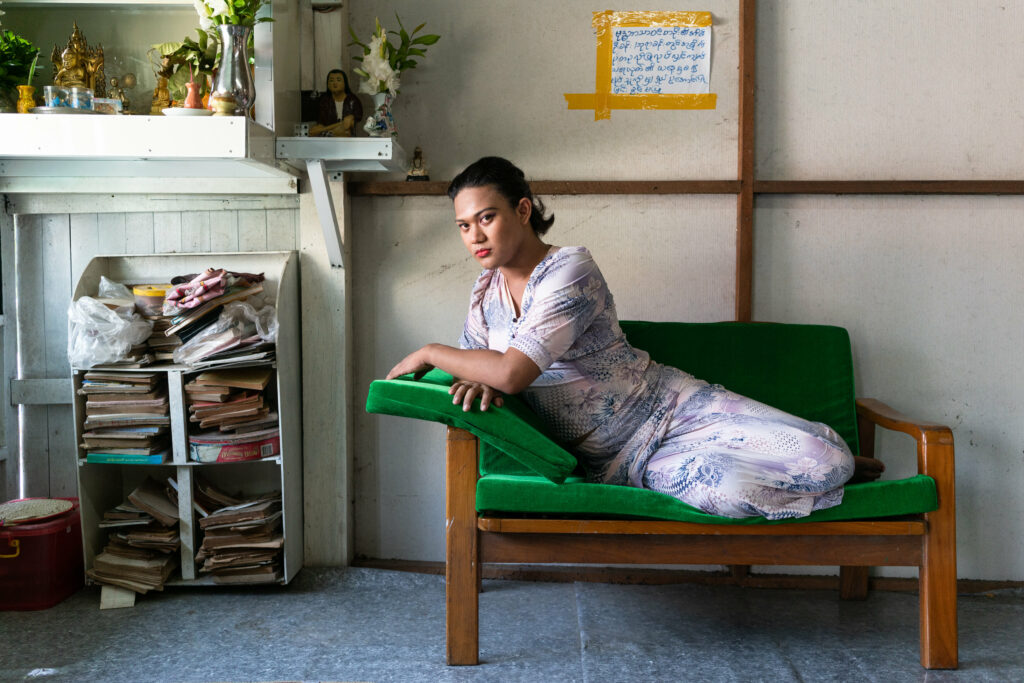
(41, 563)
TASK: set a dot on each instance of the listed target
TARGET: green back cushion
(512, 430)
(805, 370)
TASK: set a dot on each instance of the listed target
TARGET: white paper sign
(661, 60)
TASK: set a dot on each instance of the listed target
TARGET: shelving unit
(103, 486)
(140, 154)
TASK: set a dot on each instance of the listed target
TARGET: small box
(107, 105)
(236, 452)
(41, 563)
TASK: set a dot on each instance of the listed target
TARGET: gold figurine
(78, 65)
(118, 86)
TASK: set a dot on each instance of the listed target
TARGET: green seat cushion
(520, 496)
(512, 430)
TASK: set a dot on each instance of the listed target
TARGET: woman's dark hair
(509, 181)
(344, 77)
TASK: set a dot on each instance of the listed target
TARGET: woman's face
(336, 83)
(492, 229)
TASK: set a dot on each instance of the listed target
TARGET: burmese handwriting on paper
(661, 60)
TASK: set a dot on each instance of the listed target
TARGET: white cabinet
(103, 486)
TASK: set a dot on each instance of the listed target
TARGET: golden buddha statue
(78, 65)
(161, 97)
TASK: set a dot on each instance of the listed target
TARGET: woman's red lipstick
(483, 252)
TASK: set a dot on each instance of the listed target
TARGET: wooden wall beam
(644, 187)
(745, 162)
(559, 187)
(889, 187)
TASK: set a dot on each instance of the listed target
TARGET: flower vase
(26, 98)
(381, 123)
(234, 80)
(192, 100)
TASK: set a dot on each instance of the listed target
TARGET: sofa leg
(938, 562)
(462, 574)
(853, 583)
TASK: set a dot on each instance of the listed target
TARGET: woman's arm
(509, 372)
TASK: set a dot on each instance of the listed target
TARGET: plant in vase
(187, 60)
(234, 20)
(17, 66)
(381, 63)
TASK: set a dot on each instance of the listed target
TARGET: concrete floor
(378, 625)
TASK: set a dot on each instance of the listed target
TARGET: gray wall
(847, 90)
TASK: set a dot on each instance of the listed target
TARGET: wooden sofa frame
(927, 541)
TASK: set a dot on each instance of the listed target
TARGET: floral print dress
(635, 422)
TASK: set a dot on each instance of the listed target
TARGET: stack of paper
(242, 543)
(162, 345)
(126, 417)
(190, 321)
(232, 411)
(141, 551)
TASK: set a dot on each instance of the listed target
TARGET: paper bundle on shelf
(232, 411)
(161, 345)
(242, 543)
(197, 303)
(126, 418)
(140, 553)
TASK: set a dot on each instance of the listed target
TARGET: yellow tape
(636, 19)
(648, 101)
(602, 101)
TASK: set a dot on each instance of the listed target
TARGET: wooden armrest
(884, 416)
(934, 441)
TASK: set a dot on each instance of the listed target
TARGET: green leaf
(428, 39)
(170, 48)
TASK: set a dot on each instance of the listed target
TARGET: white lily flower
(219, 8)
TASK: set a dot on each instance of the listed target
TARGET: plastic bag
(238, 322)
(99, 335)
(112, 290)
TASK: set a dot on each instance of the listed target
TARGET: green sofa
(514, 495)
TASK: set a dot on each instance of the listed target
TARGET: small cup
(80, 98)
(55, 96)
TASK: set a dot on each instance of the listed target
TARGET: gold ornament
(78, 65)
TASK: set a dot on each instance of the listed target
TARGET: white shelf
(329, 159)
(157, 4)
(151, 154)
(344, 154)
(101, 486)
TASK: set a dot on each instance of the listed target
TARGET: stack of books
(138, 356)
(242, 543)
(232, 415)
(141, 552)
(161, 344)
(126, 418)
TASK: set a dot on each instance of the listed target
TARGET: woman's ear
(523, 209)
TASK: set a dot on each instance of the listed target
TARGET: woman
(542, 323)
(339, 108)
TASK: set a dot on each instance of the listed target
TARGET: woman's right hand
(465, 392)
